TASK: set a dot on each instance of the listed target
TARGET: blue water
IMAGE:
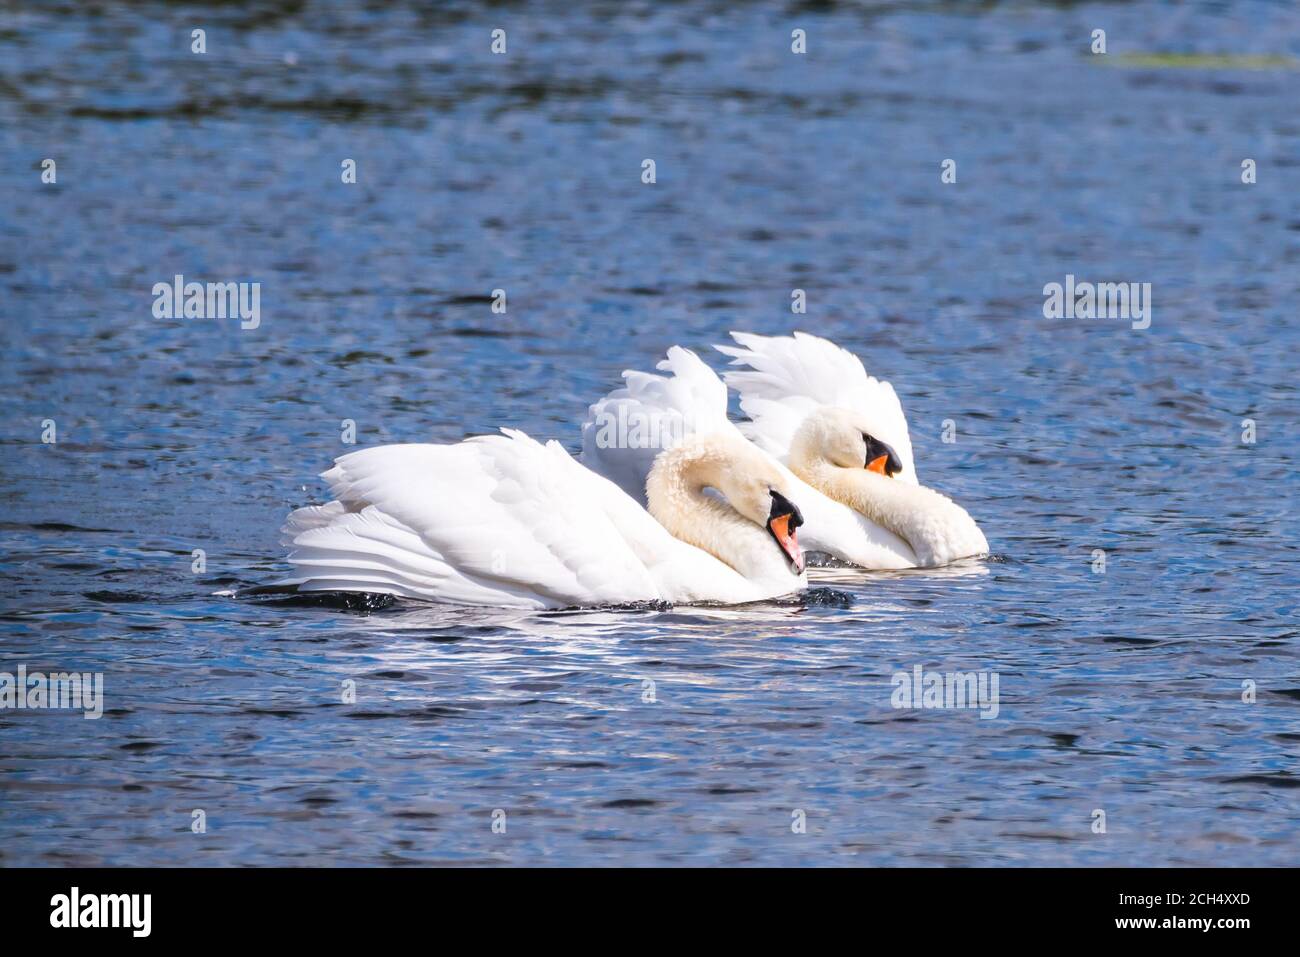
(1119, 691)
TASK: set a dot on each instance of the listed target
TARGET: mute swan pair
(504, 520)
(838, 436)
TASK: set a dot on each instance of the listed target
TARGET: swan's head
(845, 439)
(759, 492)
(751, 484)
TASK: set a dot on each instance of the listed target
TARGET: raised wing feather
(788, 377)
(626, 429)
(497, 520)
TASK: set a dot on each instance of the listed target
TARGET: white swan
(506, 521)
(626, 430)
(812, 406)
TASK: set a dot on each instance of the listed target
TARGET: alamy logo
(57, 690)
(103, 910)
(946, 689)
(179, 299)
(1103, 300)
(623, 429)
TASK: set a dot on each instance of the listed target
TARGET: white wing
(789, 377)
(626, 429)
(495, 520)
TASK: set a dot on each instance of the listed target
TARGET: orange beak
(788, 539)
(877, 465)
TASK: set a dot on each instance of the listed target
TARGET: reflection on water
(651, 735)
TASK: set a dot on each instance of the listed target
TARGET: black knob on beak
(880, 457)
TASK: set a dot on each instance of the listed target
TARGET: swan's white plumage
(495, 520)
(690, 400)
(626, 429)
(460, 521)
(790, 377)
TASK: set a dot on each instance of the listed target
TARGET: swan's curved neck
(938, 529)
(676, 497)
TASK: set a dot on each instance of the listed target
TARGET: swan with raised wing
(812, 406)
(504, 520)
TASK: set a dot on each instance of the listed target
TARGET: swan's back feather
(627, 429)
(500, 520)
(789, 377)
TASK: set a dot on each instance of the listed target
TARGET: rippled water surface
(1119, 692)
